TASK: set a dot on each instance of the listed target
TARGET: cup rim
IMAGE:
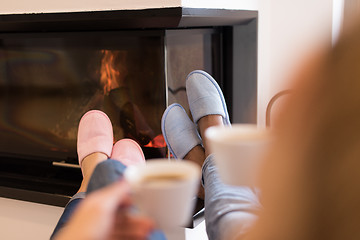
(236, 134)
(162, 166)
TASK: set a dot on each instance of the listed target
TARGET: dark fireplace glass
(48, 81)
(189, 50)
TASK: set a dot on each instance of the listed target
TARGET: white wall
(288, 31)
(338, 19)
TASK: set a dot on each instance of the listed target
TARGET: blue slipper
(205, 96)
(179, 131)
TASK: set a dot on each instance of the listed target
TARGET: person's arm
(229, 210)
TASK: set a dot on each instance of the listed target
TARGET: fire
(157, 142)
(112, 75)
(109, 72)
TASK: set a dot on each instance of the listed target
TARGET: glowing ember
(157, 142)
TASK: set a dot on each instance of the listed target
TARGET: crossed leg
(88, 165)
(198, 154)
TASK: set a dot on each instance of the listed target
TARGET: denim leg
(68, 211)
(229, 210)
(104, 174)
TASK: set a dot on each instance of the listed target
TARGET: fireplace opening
(49, 80)
(48, 83)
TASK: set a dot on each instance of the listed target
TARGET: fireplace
(131, 64)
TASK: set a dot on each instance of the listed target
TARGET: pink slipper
(95, 134)
(128, 152)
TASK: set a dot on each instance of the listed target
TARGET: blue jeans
(104, 174)
(229, 210)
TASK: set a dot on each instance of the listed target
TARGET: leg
(99, 171)
(229, 210)
(206, 122)
(125, 152)
(198, 154)
(88, 166)
(94, 145)
(208, 108)
(181, 137)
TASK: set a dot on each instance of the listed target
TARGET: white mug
(164, 190)
(238, 152)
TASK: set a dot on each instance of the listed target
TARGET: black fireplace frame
(237, 75)
(176, 17)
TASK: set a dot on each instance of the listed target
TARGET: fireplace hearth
(131, 64)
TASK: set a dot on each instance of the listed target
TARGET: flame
(109, 73)
(157, 142)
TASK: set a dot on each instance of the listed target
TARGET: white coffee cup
(238, 152)
(165, 190)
